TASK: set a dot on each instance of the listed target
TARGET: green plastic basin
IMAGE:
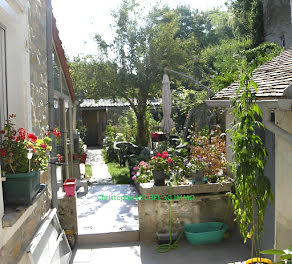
(205, 233)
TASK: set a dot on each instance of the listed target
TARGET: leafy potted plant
(252, 187)
(160, 167)
(23, 156)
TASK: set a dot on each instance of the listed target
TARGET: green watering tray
(205, 233)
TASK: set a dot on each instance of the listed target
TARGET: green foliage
(248, 20)
(109, 153)
(286, 256)
(127, 126)
(89, 73)
(223, 61)
(88, 171)
(204, 45)
(252, 187)
(120, 175)
(81, 129)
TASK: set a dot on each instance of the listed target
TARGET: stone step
(112, 237)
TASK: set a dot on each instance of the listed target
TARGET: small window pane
(56, 72)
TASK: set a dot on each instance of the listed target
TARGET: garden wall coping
(150, 189)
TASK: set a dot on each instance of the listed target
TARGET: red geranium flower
(21, 134)
(164, 154)
(158, 154)
(44, 146)
(31, 147)
(56, 133)
(2, 152)
(32, 137)
(59, 156)
(2, 132)
(169, 160)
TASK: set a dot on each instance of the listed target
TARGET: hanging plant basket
(20, 188)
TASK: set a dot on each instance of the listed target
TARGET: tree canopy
(204, 45)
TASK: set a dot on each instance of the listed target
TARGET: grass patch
(88, 171)
(120, 175)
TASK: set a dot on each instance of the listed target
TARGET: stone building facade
(277, 22)
(24, 91)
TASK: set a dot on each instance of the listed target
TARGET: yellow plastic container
(259, 260)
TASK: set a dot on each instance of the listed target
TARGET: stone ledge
(150, 189)
(11, 214)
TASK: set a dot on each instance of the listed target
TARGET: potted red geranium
(23, 156)
(160, 167)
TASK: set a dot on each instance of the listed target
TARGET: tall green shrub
(252, 187)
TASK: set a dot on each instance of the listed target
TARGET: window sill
(12, 214)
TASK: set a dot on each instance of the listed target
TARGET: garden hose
(163, 248)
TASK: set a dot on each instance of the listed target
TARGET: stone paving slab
(100, 171)
(105, 216)
(226, 252)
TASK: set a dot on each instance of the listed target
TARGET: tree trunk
(142, 123)
(142, 128)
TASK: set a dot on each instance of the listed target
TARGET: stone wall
(38, 66)
(154, 214)
(277, 21)
(67, 213)
(15, 247)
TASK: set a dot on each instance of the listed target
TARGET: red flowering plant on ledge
(15, 146)
(161, 162)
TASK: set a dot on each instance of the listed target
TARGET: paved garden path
(102, 216)
(100, 171)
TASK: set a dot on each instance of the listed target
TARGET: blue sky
(78, 21)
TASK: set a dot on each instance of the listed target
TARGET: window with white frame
(3, 100)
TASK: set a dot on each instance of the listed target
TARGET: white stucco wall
(14, 18)
(283, 193)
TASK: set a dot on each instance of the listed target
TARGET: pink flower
(142, 163)
(134, 178)
(169, 160)
(135, 168)
(133, 173)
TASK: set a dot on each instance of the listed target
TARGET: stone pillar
(67, 214)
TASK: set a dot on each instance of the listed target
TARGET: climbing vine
(252, 188)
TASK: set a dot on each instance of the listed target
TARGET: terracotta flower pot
(83, 158)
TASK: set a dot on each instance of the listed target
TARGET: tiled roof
(272, 78)
(102, 103)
